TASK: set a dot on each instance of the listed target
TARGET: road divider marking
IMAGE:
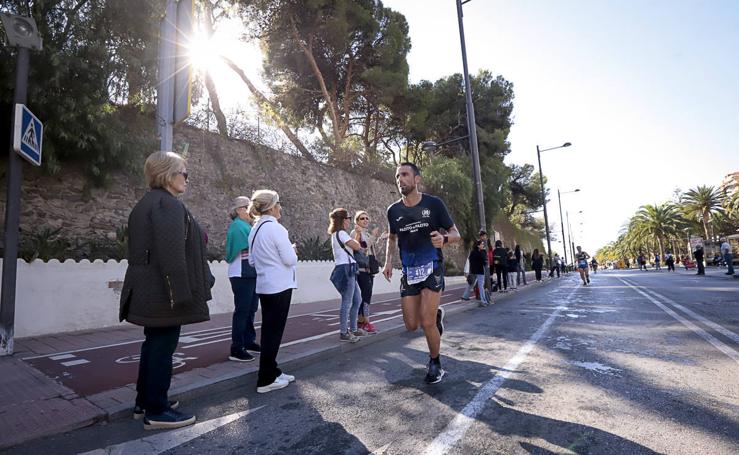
(717, 327)
(168, 440)
(457, 428)
(718, 344)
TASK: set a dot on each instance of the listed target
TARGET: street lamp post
(23, 34)
(561, 219)
(544, 197)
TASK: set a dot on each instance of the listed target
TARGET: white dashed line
(457, 428)
(75, 362)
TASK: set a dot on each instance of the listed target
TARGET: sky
(647, 92)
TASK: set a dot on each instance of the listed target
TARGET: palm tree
(701, 203)
(657, 222)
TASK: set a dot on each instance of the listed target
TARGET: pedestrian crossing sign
(28, 133)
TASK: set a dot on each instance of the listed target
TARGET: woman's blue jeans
(480, 285)
(344, 279)
(246, 302)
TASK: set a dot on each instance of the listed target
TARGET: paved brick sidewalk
(33, 405)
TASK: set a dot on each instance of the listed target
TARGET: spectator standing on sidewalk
(521, 265)
(167, 284)
(670, 261)
(698, 253)
(275, 259)
(366, 276)
(500, 258)
(477, 261)
(537, 263)
(483, 235)
(344, 275)
(243, 279)
(657, 262)
(555, 266)
(728, 257)
(512, 268)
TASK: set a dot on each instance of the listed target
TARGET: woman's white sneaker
(286, 377)
(278, 384)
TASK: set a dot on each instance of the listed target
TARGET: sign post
(174, 69)
(22, 34)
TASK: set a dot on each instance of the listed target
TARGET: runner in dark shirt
(582, 265)
(420, 226)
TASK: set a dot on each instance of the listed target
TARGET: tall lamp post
(22, 34)
(561, 219)
(543, 195)
(472, 132)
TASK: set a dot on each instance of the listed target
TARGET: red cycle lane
(99, 368)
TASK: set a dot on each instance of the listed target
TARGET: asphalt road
(638, 362)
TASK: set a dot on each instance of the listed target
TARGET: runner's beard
(406, 190)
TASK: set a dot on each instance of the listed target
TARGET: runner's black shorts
(434, 282)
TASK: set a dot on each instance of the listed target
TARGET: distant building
(730, 184)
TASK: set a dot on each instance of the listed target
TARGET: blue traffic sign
(28, 133)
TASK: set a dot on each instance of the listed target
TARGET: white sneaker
(278, 384)
(286, 377)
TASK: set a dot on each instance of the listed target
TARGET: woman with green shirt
(243, 278)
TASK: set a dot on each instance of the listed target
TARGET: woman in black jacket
(500, 258)
(478, 259)
(537, 263)
(167, 284)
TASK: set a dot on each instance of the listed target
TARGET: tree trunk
(216, 105)
(273, 112)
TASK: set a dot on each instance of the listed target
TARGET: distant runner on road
(414, 223)
(594, 265)
(582, 265)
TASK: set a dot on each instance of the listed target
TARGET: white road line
(63, 357)
(456, 429)
(719, 328)
(698, 331)
(167, 440)
(75, 362)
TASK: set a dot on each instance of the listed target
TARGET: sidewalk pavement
(33, 405)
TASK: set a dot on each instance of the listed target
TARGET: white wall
(54, 297)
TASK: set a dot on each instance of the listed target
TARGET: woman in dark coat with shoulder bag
(167, 284)
(478, 259)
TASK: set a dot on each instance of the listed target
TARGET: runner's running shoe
(434, 372)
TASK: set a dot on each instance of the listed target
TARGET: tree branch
(273, 112)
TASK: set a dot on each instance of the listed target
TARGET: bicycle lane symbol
(178, 359)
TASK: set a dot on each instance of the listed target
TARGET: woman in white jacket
(274, 258)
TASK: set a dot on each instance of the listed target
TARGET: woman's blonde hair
(336, 219)
(358, 214)
(262, 202)
(161, 168)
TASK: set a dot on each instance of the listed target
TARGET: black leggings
(274, 317)
(365, 281)
(501, 270)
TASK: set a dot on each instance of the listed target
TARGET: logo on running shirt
(414, 227)
(425, 213)
(398, 219)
